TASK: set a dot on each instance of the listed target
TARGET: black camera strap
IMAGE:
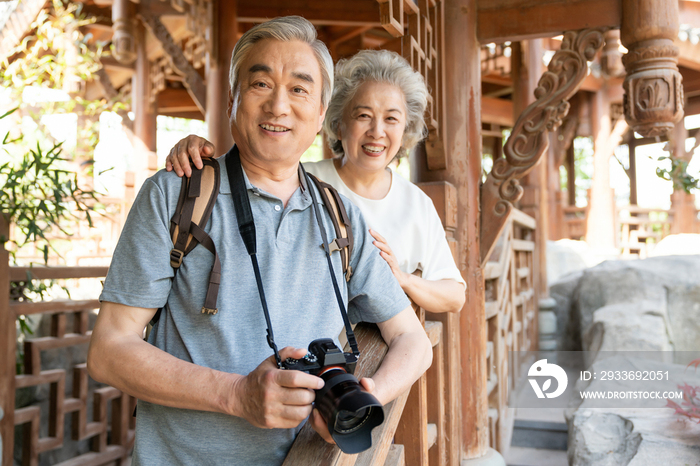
(246, 227)
(326, 247)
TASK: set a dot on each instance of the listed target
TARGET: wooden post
(526, 61)
(682, 203)
(632, 172)
(466, 332)
(571, 174)
(7, 351)
(600, 229)
(224, 29)
(145, 126)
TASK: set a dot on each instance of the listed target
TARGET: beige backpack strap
(344, 241)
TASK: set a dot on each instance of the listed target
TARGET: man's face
(278, 111)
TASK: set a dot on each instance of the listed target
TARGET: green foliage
(583, 166)
(58, 56)
(678, 174)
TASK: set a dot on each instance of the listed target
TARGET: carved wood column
(224, 29)
(653, 90)
(144, 109)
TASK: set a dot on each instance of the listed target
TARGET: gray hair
(380, 66)
(285, 29)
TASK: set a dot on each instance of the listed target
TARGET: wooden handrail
(511, 318)
(309, 448)
(19, 274)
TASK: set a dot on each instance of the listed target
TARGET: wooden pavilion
(483, 62)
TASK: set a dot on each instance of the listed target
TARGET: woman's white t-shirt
(406, 218)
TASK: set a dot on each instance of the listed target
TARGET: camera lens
(350, 411)
(347, 422)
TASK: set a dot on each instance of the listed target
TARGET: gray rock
(628, 327)
(601, 439)
(684, 316)
(566, 256)
(682, 244)
(568, 330)
(613, 432)
(616, 282)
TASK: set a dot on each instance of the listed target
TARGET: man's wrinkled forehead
(301, 75)
(270, 56)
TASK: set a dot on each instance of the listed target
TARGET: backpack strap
(344, 241)
(194, 207)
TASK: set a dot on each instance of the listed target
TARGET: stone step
(540, 434)
(520, 456)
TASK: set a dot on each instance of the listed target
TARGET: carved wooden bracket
(653, 87)
(193, 81)
(653, 90)
(529, 138)
(420, 25)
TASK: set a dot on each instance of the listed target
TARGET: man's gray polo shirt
(299, 294)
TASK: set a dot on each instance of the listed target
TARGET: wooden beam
(692, 106)
(175, 101)
(689, 12)
(512, 20)
(193, 81)
(497, 111)
(328, 12)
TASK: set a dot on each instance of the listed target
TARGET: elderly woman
(375, 116)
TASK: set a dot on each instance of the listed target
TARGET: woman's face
(372, 127)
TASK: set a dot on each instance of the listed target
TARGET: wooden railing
(511, 315)
(641, 229)
(570, 220)
(106, 420)
(414, 429)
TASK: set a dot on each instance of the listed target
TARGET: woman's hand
(445, 295)
(321, 426)
(192, 147)
(388, 255)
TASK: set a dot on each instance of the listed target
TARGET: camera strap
(246, 227)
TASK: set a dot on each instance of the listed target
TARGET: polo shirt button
(278, 208)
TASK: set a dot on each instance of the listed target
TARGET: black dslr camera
(350, 411)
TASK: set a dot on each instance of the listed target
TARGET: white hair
(285, 29)
(380, 66)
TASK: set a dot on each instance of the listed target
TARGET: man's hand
(321, 426)
(192, 147)
(272, 398)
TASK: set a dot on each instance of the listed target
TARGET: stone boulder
(628, 282)
(632, 432)
(568, 256)
(568, 330)
(628, 327)
(677, 245)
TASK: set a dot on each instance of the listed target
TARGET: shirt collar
(225, 186)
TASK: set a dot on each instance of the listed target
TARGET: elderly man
(208, 392)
